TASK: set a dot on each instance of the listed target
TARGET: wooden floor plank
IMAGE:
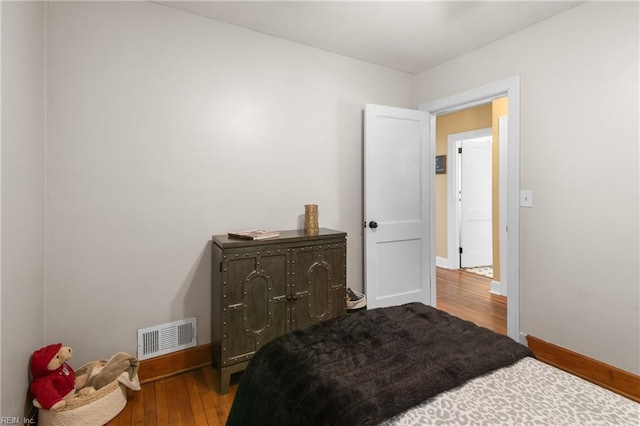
(201, 382)
(179, 406)
(150, 405)
(193, 393)
(136, 401)
(208, 397)
(162, 406)
(214, 418)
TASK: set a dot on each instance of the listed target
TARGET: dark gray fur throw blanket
(365, 367)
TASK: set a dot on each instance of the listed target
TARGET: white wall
(579, 72)
(165, 128)
(22, 146)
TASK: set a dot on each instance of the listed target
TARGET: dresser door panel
(336, 257)
(275, 266)
(256, 303)
(317, 272)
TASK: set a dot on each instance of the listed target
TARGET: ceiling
(410, 36)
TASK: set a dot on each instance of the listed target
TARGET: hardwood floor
(467, 296)
(190, 398)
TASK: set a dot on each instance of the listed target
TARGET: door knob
(373, 224)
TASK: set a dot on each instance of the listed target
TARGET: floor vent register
(166, 338)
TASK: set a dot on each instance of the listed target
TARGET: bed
(413, 364)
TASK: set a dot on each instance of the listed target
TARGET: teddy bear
(54, 381)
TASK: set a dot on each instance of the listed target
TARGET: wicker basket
(93, 409)
(357, 305)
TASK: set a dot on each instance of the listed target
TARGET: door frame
(453, 206)
(509, 186)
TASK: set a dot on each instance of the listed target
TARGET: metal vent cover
(166, 338)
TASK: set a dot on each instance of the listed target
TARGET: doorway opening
(464, 232)
(505, 191)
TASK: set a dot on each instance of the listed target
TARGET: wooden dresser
(265, 288)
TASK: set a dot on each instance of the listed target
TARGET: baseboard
(605, 375)
(174, 363)
(442, 262)
(496, 288)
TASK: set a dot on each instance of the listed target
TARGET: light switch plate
(526, 198)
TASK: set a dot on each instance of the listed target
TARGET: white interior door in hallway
(454, 187)
(476, 232)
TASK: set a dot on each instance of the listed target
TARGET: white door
(396, 206)
(476, 231)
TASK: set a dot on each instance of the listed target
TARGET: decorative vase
(311, 219)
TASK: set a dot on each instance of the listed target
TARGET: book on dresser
(254, 234)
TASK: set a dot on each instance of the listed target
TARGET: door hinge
(460, 250)
(460, 150)
(220, 266)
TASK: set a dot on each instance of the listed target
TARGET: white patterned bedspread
(526, 393)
